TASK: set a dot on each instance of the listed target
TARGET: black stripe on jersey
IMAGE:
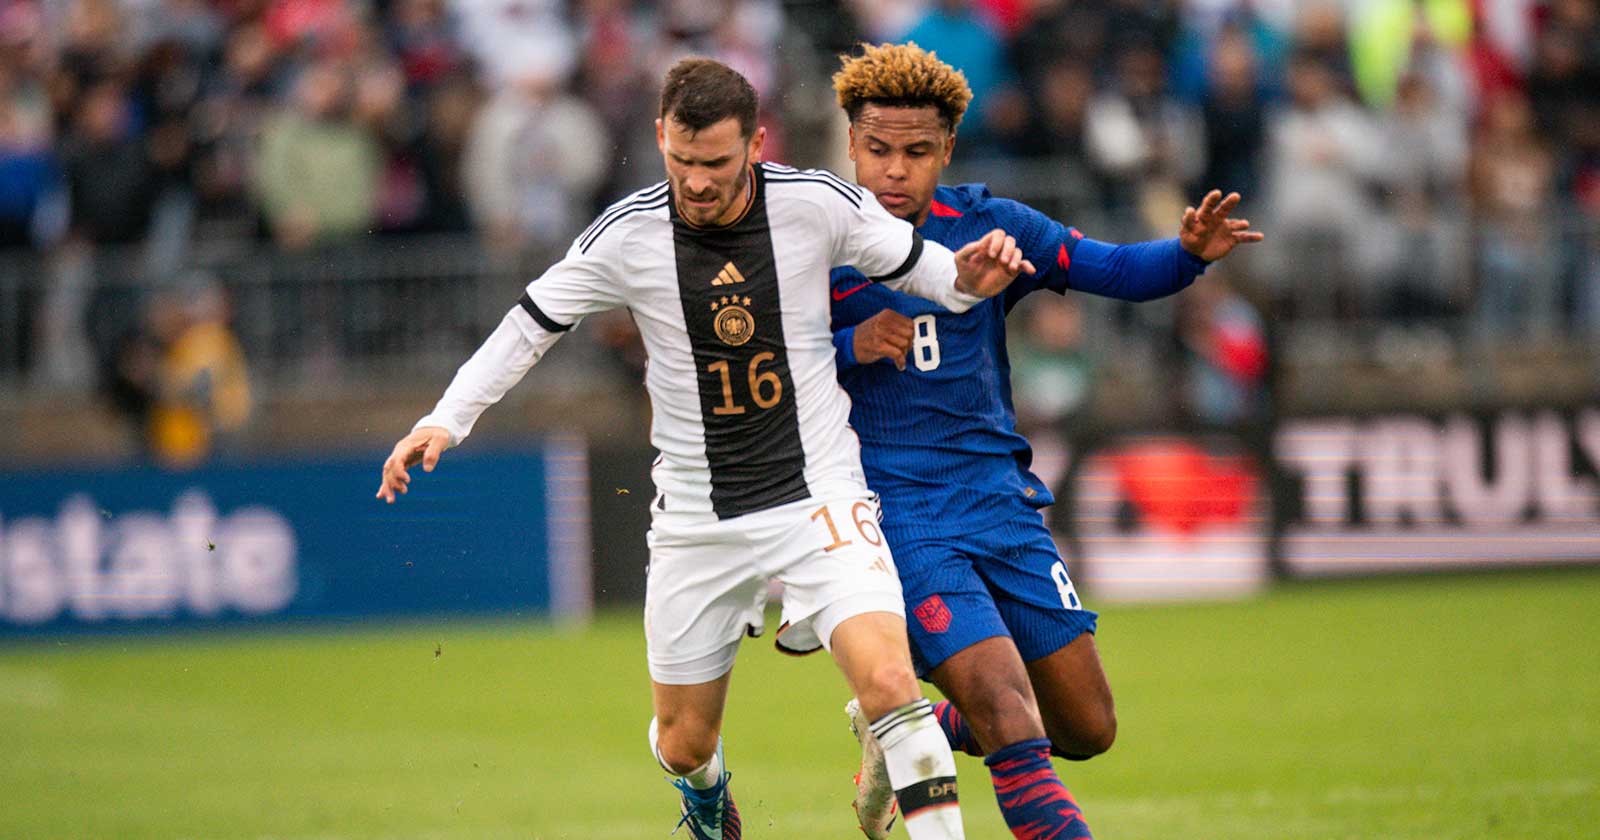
(594, 236)
(910, 263)
(850, 196)
(755, 454)
(543, 320)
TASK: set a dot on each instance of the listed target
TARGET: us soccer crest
(733, 322)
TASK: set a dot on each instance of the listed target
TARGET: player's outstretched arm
(1208, 232)
(986, 266)
(1142, 271)
(425, 444)
(500, 363)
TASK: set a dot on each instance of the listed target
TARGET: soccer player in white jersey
(725, 268)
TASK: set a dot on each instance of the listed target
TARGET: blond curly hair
(901, 75)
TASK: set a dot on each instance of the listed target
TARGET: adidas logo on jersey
(728, 276)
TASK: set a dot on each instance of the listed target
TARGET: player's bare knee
(1086, 735)
(1001, 714)
(682, 753)
(683, 744)
(886, 687)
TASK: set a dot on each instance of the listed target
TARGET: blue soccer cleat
(710, 814)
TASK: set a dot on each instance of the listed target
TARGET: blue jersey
(939, 439)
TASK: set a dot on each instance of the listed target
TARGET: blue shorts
(1004, 580)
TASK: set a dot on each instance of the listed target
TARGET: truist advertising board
(143, 548)
(1405, 492)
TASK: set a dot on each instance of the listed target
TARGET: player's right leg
(701, 597)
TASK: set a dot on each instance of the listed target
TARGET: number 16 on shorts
(862, 525)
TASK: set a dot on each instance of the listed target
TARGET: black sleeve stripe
(621, 208)
(911, 261)
(583, 247)
(642, 195)
(855, 200)
(539, 317)
(617, 211)
(837, 180)
(815, 173)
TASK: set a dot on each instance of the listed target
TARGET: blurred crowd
(1409, 158)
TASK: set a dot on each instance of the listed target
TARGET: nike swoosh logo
(841, 294)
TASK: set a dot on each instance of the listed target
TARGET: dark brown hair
(700, 93)
(901, 76)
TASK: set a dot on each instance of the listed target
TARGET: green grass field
(1420, 708)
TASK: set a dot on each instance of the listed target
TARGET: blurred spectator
(1061, 29)
(1197, 62)
(202, 396)
(1052, 370)
(451, 106)
(318, 172)
(622, 92)
(92, 52)
(112, 181)
(425, 42)
(1427, 146)
(1234, 116)
(1224, 350)
(1319, 32)
(1513, 190)
(886, 20)
(29, 175)
(532, 163)
(1323, 153)
(228, 121)
(1060, 111)
(511, 39)
(1146, 146)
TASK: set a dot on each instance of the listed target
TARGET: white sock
(703, 777)
(922, 770)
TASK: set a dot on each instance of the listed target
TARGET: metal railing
(381, 309)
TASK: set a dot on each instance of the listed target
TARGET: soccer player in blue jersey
(993, 617)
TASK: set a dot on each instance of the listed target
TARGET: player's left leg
(1075, 699)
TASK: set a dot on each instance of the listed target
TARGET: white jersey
(748, 413)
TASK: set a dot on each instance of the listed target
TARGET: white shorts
(707, 582)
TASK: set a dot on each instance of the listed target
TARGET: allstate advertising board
(142, 548)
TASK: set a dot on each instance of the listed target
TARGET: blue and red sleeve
(1066, 259)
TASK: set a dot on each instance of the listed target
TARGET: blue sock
(1033, 801)
(955, 729)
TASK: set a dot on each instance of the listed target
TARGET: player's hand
(425, 445)
(985, 267)
(886, 335)
(1208, 233)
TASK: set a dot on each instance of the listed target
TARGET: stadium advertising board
(1409, 493)
(144, 548)
(1167, 517)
